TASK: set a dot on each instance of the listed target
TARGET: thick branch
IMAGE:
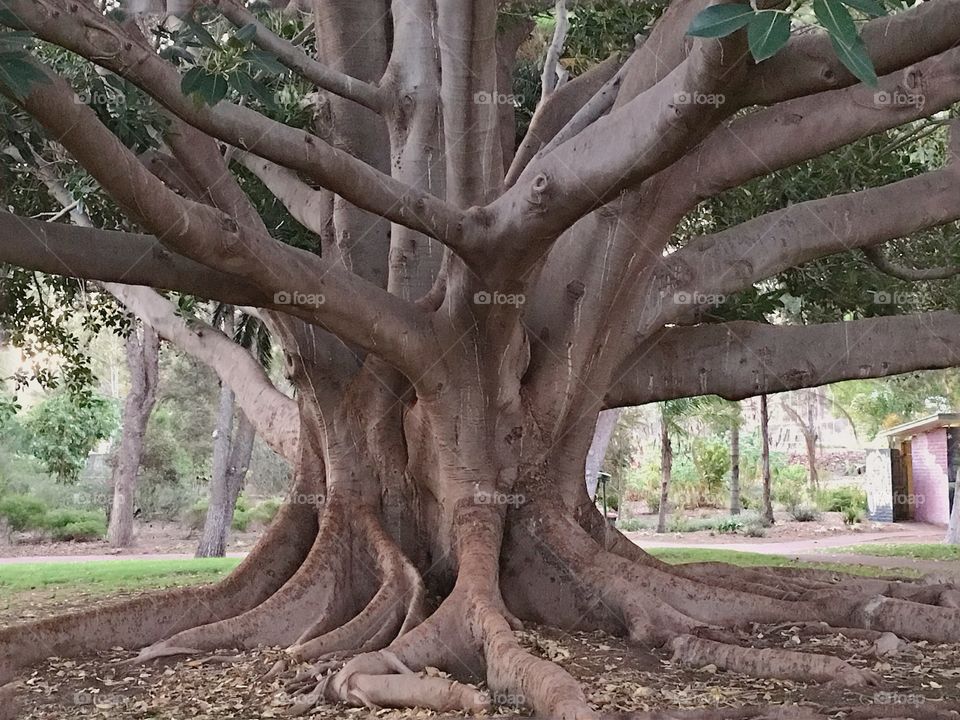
(308, 207)
(80, 28)
(809, 64)
(294, 58)
(273, 414)
(734, 259)
(111, 256)
(351, 308)
(557, 111)
(792, 132)
(903, 272)
(741, 359)
(621, 149)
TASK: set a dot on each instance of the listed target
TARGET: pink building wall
(928, 455)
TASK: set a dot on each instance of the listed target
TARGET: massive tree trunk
(142, 353)
(457, 327)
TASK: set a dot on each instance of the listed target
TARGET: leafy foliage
(65, 428)
(768, 30)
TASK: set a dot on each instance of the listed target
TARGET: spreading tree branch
(792, 132)
(621, 149)
(809, 63)
(297, 60)
(597, 87)
(736, 258)
(80, 28)
(355, 310)
(550, 76)
(904, 272)
(274, 415)
(112, 256)
(742, 359)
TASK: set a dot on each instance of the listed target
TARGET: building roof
(916, 427)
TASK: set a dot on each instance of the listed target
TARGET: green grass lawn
(749, 559)
(111, 575)
(62, 579)
(915, 551)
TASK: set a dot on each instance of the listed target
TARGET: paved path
(911, 533)
(816, 549)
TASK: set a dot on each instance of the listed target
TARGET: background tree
(142, 353)
(765, 460)
(232, 447)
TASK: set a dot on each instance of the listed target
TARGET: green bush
(265, 511)
(804, 512)
(755, 528)
(789, 485)
(241, 519)
(634, 524)
(22, 512)
(63, 517)
(842, 498)
(81, 530)
(64, 429)
(729, 525)
(194, 516)
(711, 458)
(242, 504)
(852, 515)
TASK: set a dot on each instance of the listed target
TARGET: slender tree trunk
(225, 486)
(765, 460)
(735, 468)
(666, 468)
(221, 496)
(142, 350)
(810, 437)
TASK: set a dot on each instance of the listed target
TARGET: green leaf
(246, 85)
(868, 7)
(191, 80)
(20, 75)
(720, 20)
(203, 85)
(855, 58)
(767, 32)
(836, 19)
(201, 34)
(265, 61)
(15, 42)
(246, 33)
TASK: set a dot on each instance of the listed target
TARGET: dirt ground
(155, 538)
(618, 679)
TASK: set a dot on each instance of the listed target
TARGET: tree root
(153, 616)
(308, 613)
(774, 663)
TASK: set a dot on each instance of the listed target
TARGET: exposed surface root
(316, 611)
(157, 615)
(769, 662)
